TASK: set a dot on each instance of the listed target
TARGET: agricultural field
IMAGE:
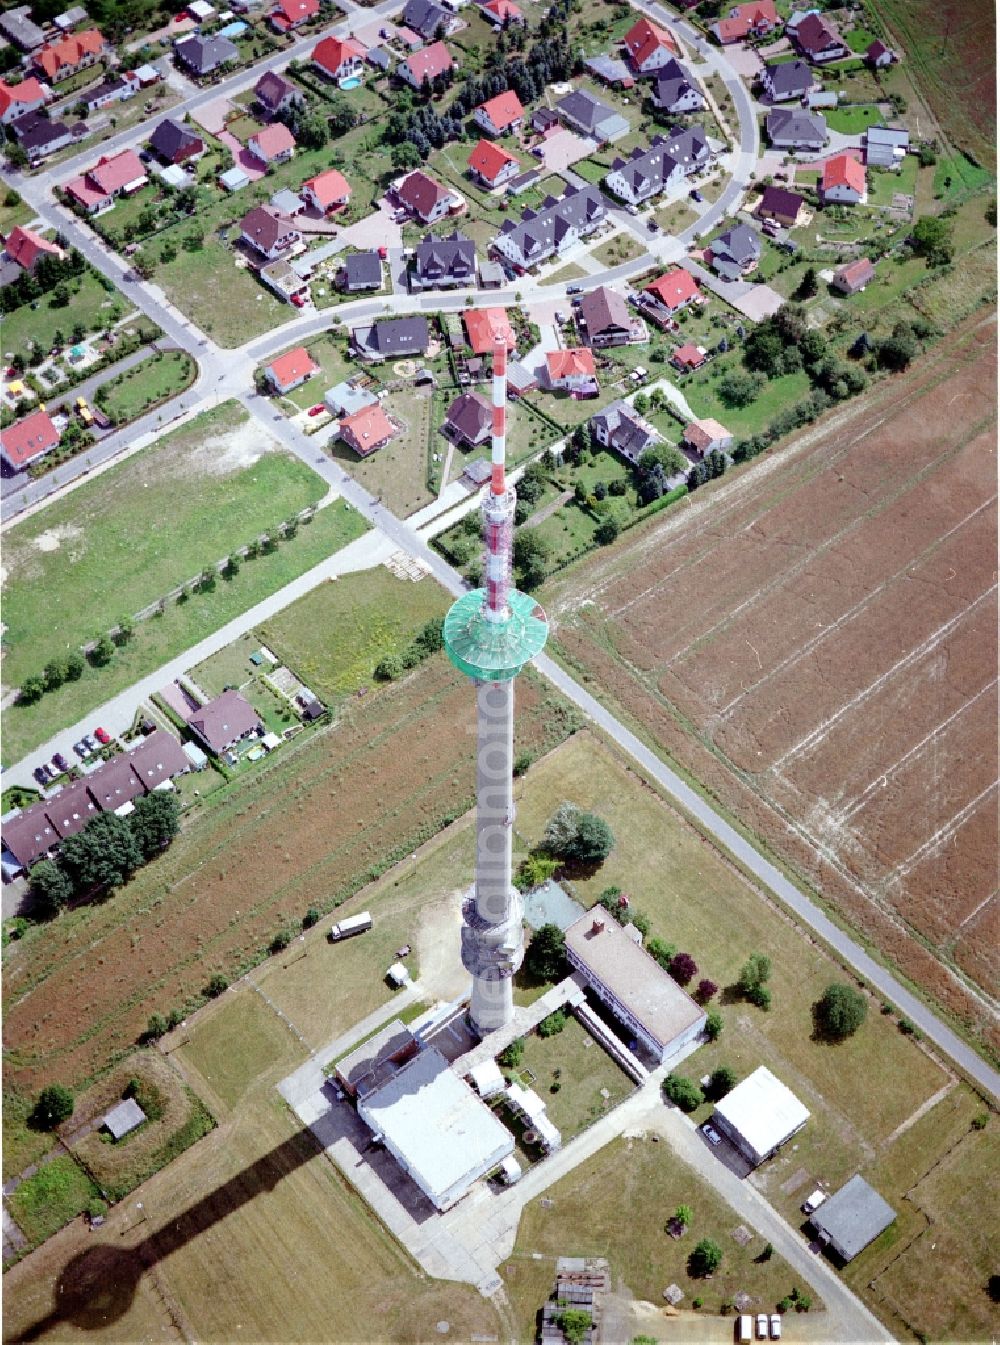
(852, 585)
(65, 581)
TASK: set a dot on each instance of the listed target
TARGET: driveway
(242, 157)
(565, 148)
(378, 229)
(212, 116)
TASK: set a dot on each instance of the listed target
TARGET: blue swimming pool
(352, 82)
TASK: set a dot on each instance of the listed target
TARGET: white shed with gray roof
(124, 1118)
(852, 1218)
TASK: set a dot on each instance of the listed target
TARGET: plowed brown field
(817, 640)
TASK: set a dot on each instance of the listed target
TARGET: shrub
(706, 990)
(661, 951)
(54, 1105)
(281, 941)
(713, 1025)
(310, 918)
(545, 959)
(575, 835)
(721, 1082)
(96, 1208)
(683, 968)
(217, 985)
(534, 871)
(706, 1258)
(553, 1024)
(761, 997)
(839, 1012)
(389, 669)
(156, 1026)
(512, 1055)
(981, 1121)
(682, 1092)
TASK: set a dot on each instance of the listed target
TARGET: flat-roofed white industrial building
(851, 1218)
(760, 1115)
(436, 1128)
(634, 986)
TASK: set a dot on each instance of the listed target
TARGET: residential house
(28, 439)
(843, 180)
(25, 249)
(72, 808)
(339, 58)
(502, 13)
(18, 99)
(572, 371)
(431, 21)
(501, 115)
(794, 128)
(735, 253)
(275, 94)
(605, 319)
(392, 338)
(267, 232)
(117, 175)
(272, 144)
(620, 427)
(114, 89)
(886, 146)
(39, 135)
(366, 430)
(609, 70)
(649, 172)
(291, 370)
(556, 226)
(786, 80)
(649, 47)
(545, 121)
(175, 143)
(423, 67)
(18, 27)
(819, 41)
(707, 436)
(346, 398)
(203, 55)
(469, 420)
(443, 263)
(669, 293)
(286, 282)
(781, 205)
(688, 357)
(288, 15)
(425, 198)
(744, 22)
(225, 721)
(361, 271)
(70, 19)
(675, 90)
(491, 164)
(879, 56)
(851, 1218)
(484, 327)
(852, 278)
(582, 112)
(56, 61)
(326, 191)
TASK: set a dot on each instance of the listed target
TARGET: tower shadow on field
(97, 1287)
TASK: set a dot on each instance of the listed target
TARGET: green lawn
(397, 473)
(334, 636)
(90, 304)
(852, 120)
(622, 248)
(568, 272)
(701, 392)
(859, 40)
(11, 215)
(884, 184)
(956, 176)
(573, 1060)
(55, 1194)
(144, 385)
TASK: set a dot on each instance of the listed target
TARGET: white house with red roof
(485, 326)
(117, 175)
(426, 64)
(492, 165)
(25, 247)
(707, 436)
(58, 60)
(326, 191)
(17, 99)
(502, 13)
(291, 370)
(27, 440)
(843, 181)
(756, 19)
(272, 144)
(425, 198)
(289, 14)
(671, 292)
(501, 115)
(366, 430)
(688, 357)
(649, 46)
(572, 371)
(268, 232)
(339, 57)
(852, 278)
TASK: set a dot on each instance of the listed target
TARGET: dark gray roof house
(647, 172)
(554, 227)
(675, 90)
(274, 92)
(851, 1218)
(469, 419)
(607, 319)
(392, 338)
(38, 135)
(18, 26)
(793, 128)
(591, 117)
(439, 263)
(173, 143)
(735, 252)
(224, 721)
(620, 427)
(362, 271)
(785, 80)
(425, 18)
(205, 54)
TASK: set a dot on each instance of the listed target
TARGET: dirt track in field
(817, 640)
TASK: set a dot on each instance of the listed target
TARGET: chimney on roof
(597, 927)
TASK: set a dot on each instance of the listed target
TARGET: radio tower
(490, 634)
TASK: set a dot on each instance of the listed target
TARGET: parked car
(317, 410)
(81, 749)
(695, 194)
(652, 226)
(102, 736)
(298, 301)
(775, 1326)
(711, 1134)
(762, 1326)
(89, 743)
(42, 774)
(60, 762)
(574, 289)
(383, 253)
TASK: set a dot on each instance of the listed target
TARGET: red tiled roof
(843, 171)
(503, 110)
(644, 37)
(33, 435)
(69, 52)
(746, 17)
(28, 91)
(700, 433)
(25, 247)
(433, 60)
(421, 193)
(332, 52)
(328, 187)
(674, 288)
(112, 174)
(689, 355)
(569, 363)
(489, 160)
(484, 325)
(295, 11)
(273, 140)
(288, 369)
(503, 10)
(367, 429)
(856, 272)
